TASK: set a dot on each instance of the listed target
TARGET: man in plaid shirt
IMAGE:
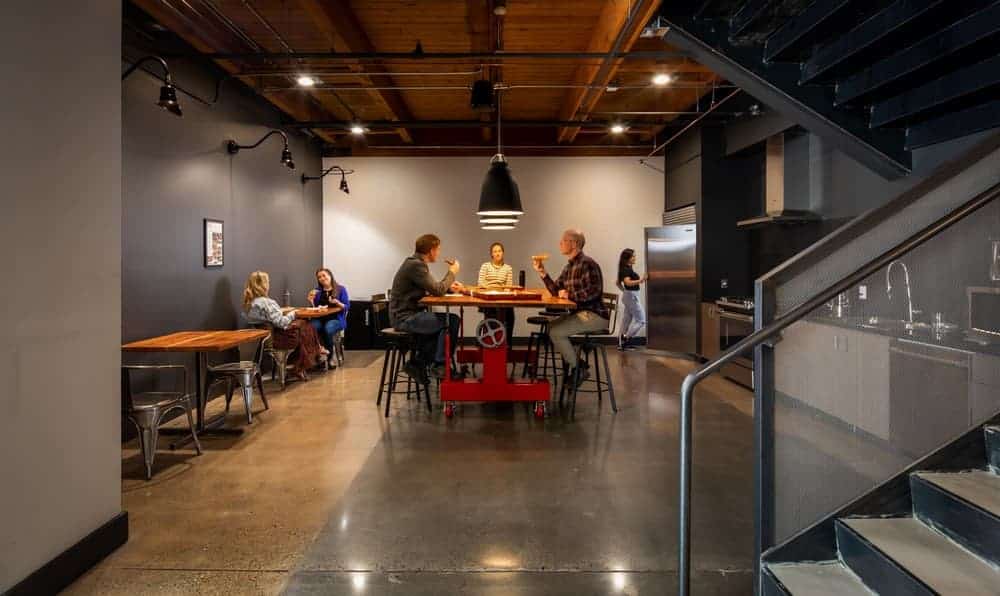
(580, 281)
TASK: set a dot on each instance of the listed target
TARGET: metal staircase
(948, 544)
(878, 78)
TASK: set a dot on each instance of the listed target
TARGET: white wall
(60, 234)
(368, 233)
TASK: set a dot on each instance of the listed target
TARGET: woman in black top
(633, 315)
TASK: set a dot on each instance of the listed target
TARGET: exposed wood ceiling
(414, 106)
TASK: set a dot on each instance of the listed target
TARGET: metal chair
(146, 410)
(397, 345)
(243, 373)
(591, 348)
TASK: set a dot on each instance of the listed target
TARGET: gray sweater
(266, 310)
(412, 282)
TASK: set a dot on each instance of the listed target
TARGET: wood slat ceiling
(448, 26)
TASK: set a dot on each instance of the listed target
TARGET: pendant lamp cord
(499, 117)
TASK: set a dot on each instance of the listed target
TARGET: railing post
(684, 535)
(764, 488)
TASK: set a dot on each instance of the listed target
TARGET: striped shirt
(492, 276)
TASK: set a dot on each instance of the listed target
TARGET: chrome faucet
(906, 281)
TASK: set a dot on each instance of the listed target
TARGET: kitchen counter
(954, 340)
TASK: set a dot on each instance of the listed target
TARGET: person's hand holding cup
(453, 266)
(311, 296)
(564, 294)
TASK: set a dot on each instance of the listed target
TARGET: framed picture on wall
(214, 243)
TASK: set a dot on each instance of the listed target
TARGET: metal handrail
(760, 336)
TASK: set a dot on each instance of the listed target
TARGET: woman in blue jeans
(633, 317)
(334, 296)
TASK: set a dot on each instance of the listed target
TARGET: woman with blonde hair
(287, 332)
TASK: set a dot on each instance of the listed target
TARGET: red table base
(494, 384)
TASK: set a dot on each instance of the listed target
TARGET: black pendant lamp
(499, 196)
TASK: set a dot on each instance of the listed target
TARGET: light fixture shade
(498, 227)
(286, 158)
(482, 96)
(497, 220)
(168, 100)
(499, 195)
(343, 185)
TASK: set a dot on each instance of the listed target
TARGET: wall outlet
(862, 292)
(723, 283)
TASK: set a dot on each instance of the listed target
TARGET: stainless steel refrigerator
(672, 290)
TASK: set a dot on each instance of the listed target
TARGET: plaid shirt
(582, 278)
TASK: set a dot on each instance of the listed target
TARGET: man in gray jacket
(412, 282)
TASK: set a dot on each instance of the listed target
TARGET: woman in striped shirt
(497, 274)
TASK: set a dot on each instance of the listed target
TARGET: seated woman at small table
(497, 274)
(287, 332)
(334, 296)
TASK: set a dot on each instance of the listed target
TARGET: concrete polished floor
(322, 495)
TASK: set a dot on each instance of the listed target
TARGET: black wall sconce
(286, 156)
(343, 177)
(168, 94)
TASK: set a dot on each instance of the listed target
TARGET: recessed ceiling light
(305, 81)
(662, 79)
(357, 129)
(617, 128)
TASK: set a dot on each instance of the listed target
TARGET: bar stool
(540, 342)
(591, 348)
(397, 345)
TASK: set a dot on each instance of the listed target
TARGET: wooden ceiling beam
(202, 31)
(337, 20)
(613, 28)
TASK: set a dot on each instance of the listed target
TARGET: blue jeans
(327, 329)
(429, 327)
(633, 316)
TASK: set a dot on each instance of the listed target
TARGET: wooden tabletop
(463, 300)
(196, 341)
(310, 312)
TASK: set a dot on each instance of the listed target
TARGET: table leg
(213, 426)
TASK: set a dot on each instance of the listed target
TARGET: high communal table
(201, 343)
(494, 384)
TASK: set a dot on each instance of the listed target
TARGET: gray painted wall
(176, 173)
(60, 459)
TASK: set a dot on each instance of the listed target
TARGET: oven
(736, 323)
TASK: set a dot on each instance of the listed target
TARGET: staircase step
(823, 578)
(903, 556)
(993, 447)
(978, 27)
(953, 125)
(936, 94)
(963, 505)
(896, 17)
(799, 30)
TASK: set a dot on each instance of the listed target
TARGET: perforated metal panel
(888, 234)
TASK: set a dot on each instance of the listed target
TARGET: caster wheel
(539, 410)
(449, 411)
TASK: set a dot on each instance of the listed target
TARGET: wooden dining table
(200, 343)
(310, 312)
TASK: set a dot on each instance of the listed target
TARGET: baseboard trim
(73, 562)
